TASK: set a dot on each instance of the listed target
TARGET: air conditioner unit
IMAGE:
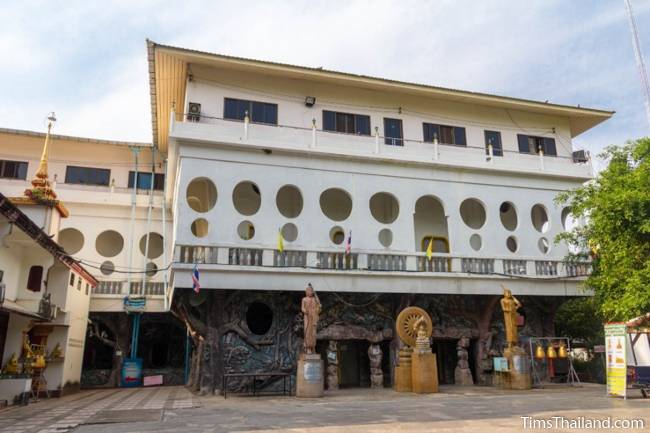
(194, 112)
(580, 156)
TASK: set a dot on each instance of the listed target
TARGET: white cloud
(87, 61)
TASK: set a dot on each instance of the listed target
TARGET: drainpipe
(135, 151)
(164, 235)
(148, 235)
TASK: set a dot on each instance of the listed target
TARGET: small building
(44, 295)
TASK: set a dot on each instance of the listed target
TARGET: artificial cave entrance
(242, 331)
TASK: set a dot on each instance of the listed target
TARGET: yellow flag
(430, 249)
(280, 241)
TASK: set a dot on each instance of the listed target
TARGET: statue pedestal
(403, 374)
(519, 369)
(424, 372)
(309, 376)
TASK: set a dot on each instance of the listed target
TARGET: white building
(44, 293)
(106, 229)
(249, 149)
(256, 147)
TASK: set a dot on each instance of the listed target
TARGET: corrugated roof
(73, 138)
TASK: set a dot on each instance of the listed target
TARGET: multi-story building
(360, 175)
(44, 293)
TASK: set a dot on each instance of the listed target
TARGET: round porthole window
(508, 215)
(511, 244)
(246, 230)
(472, 212)
(543, 245)
(289, 232)
(539, 217)
(201, 194)
(259, 318)
(337, 236)
(336, 204)
(475, 242)
(385, 237)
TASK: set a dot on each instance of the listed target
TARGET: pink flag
(348, 244)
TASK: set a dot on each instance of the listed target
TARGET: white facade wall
(291, 153)
(226, 168)
(95, 209)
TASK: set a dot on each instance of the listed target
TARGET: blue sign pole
(135, 335)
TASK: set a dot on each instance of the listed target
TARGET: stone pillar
(332, 365)
(462, 373)
(376, 373)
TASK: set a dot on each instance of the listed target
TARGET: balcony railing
(375, 261)
(306, 138)
(116, 287)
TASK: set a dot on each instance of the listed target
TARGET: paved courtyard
(173, 409)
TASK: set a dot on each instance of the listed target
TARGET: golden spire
(42, 167)
(41, 192)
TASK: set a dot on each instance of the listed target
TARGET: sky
(87, 60)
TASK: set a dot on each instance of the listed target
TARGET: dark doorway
(4, 324)
(354, 365)
(447, 359)
(472, 351)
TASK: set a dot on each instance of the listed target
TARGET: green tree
(580, 319)
(615, 211)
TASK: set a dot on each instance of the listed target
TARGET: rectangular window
(13, 169)
(71, 279)
(446, 134)
(532, 144)
(87, 175)
(346, 123)
(493, 138)
(258, 112)
(144, 180)
(393, 132)
(35, 278)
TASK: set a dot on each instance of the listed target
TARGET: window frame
(497, 150)
(20, 170)
(547, 144)
(77, 167)
(456, 132)
(250, 110)
(35, 278)
(158, 182)
(355, 118)
(394, 141)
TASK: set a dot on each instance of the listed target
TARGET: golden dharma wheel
(407, 324)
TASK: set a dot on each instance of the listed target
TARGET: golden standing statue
(510, 305)
(310, 307)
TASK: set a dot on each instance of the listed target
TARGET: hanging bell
(550, 352)
(562, 352)
(539, 352)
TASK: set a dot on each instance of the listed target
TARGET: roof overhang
(168, 67)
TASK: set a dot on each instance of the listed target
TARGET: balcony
(327, 143)
(258, 268)
(109, 295)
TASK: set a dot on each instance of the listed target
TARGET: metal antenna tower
(640, 64)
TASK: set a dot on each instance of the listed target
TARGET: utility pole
(640, 64)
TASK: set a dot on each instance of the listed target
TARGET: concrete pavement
(172, 409)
